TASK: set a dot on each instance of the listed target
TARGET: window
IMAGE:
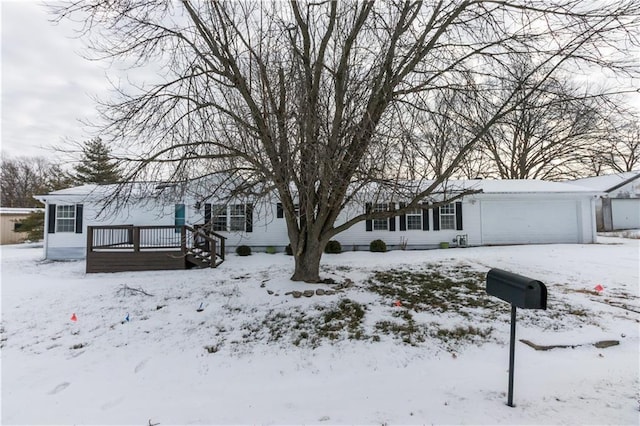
(280, 211)
(17, 226)
(414, 219)
(448, 216)
(65, 219)
(219, 212)
(380, 224)
(236, 217)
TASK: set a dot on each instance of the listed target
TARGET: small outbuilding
(618, 207)
(10, 218)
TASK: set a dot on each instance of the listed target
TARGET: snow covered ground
(249, 355)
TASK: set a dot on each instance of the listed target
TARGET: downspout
(594, 225)
(45, 249)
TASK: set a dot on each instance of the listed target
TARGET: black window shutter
(279, 211)
(51, 221)
(248, 211)
(458, 215)
(207, 212)
(369, 221)
(403, 218)
(392, 219)
(79, 209)
(425, 218)
(436, 219)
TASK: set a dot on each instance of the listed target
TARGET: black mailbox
(520, 291)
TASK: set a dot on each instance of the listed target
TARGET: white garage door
(529, 222)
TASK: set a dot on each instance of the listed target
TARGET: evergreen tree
(33, 225)
(96, 165)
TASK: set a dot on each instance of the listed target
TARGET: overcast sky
(46, 85)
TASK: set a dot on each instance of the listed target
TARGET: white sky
(46, 85)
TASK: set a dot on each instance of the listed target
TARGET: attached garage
(529, 222)
(534, 212)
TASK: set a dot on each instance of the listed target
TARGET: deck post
(212, 253)
(183, 239)
(89, 239)
(136, 238)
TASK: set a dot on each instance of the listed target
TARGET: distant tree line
(21, 178)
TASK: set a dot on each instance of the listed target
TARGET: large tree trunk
(307, 266)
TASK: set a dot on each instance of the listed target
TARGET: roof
(522, 186)
(607, 183)
(487, 186)
(20, 210)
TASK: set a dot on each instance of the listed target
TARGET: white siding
(625, 213)
(491, 218)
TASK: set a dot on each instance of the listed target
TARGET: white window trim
(451, 215)
(380, 224)
(414, 213)
(71, 219)
(230, 217)
(216, 217)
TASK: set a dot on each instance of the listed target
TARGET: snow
(605, 182)
(18, 210)
(155, 369)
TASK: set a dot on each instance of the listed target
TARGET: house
(9, 226)
(619, 205)
(503, 212)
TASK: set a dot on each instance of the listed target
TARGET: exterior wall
(71, 245)
(357, 236)
(521, 219)
(625, 213)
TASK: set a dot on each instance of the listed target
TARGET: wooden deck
(122, 248)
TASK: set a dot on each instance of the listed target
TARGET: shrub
(288, 250)
(243, 250)
(378, 246)
(271, 250)
(333, 246)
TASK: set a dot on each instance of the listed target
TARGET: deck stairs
(203, 248)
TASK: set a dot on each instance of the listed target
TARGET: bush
(288, 250)
(243, 250)
(271, 250)
(333, 246)
(378, 246)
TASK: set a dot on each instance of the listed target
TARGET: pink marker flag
(74, 317)
(599, 288)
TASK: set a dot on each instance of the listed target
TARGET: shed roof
(19, 210)
(607, 183)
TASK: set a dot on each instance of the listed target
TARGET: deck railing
(196, 241)
(134, 238)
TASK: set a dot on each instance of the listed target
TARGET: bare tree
(23, 177)
(548, 132)
(623, 153)
(312, 99)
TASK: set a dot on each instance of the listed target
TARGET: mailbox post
(520, 292)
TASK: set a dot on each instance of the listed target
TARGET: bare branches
(322, 98)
